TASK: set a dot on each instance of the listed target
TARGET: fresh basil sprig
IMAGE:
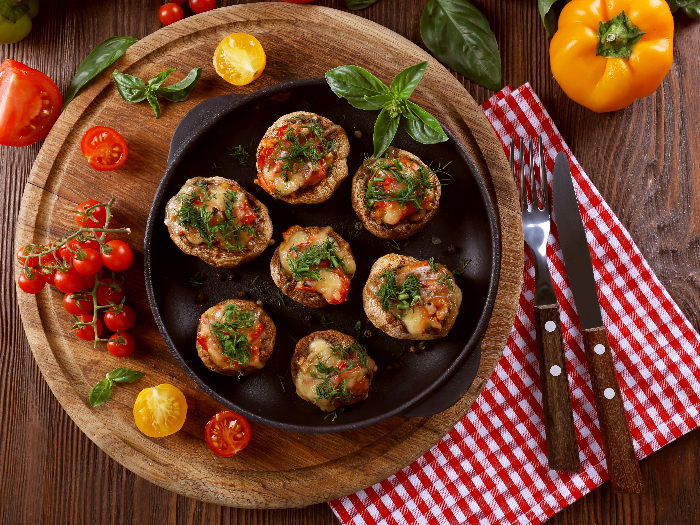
(102, 391)
(459, 36)
(133, 89)
(358, 4)
(365, 91)
(104, 55)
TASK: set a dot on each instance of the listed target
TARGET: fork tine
(523, 190)
(543, 177)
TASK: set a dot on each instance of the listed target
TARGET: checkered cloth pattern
(492, 468)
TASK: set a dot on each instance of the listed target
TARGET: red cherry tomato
(120, 258)
(30, 103)
(31, 284)
(90, 264)
(104, 148)
(77, 303)
(107, 294)
(95, 218)
(122, 321)
(121, 350)
(70, 281)
(170, 13)
(227, 433)
(87, 332)
(65, 253)
(89, 280)
(26, 250)
(200, 6)
(48, 275)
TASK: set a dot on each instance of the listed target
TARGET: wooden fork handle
(623, 467)
(562, 448)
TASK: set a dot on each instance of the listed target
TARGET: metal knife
(625, 475)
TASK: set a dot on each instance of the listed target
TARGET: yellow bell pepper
(607, 53)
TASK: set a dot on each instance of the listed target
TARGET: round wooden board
(277, 469)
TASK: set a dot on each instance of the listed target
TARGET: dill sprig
(307, 259)
(194, 213)
(404, 297)
(298, 147)
(232, 344)
(460, 270)
(414, 189)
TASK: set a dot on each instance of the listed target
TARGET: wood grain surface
(278, 468)
(643, 159)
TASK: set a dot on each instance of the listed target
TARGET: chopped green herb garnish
(325, 322)
(232, 344)
(393, 245)
(404, 297)
(281, 297)
(240, 153)
(413, 188)
(304, 261)
(465, 263)
(282, 383)
(335, 414)
(433, 265)
(227, 228)
(197, 279)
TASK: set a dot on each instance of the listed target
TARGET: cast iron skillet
(202, 146)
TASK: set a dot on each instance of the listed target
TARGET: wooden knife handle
(625, 475)
(562, 448)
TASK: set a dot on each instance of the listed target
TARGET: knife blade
(625, 475)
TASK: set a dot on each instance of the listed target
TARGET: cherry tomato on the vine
(107, 294)
(48, 275)
(124, 349)
(119, 258)
(22, 254)
(31, 284)
(227, 433)
(87, 332)
(90, 264)
(65, 253)
(200, 6)
(121, 321)
(77, 304)
(170, 13)
(89, 280)
(95, 218)
(104, 148)
(69, 281)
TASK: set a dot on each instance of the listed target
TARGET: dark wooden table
(644, 160)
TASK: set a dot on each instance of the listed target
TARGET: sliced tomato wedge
(30, 103)
(104, 148)
(227, 433)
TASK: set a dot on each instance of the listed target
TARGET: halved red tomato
(104, 148)
(227, 433)
(30, 103)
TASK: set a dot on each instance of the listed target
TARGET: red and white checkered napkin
(492, 467)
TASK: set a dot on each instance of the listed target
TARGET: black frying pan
(406, 383)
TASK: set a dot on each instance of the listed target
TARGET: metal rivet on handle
(550, 326)
(599, 349)
(555, 370)
(609, 393)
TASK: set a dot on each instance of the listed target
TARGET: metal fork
(562, 448)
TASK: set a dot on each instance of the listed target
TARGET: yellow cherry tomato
(160, 410)
(239, 59)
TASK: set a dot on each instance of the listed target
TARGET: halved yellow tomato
(160, 410)
(239, 59)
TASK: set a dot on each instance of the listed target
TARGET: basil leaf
(153, 101)
(405, 82)
(354, 84)
(99, 59)
(101, 392)
(125, 375)
(157, 81)
(180, 91)
(424, 128)
(548, 15)
(132, 89)
(358, 4)
(12, 11)
(384, 131)
(379, 101)
(459, 36)
(689, 7)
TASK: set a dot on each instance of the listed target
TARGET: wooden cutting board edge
(293, 488)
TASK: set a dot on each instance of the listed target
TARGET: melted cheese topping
(210, 344)
(321, 352)
(215, 204)
(333, 283)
